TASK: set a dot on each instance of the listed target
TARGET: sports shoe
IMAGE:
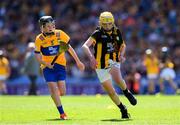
(131, 98)
(125, 114)
(63, 116)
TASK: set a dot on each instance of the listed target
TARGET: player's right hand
(93, 63)
(122, 59)
(49, 65)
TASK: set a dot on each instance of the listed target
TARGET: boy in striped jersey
(109, 50)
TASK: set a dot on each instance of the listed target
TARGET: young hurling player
(109, 49)
(46, 48)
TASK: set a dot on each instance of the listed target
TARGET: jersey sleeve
(121, 41)
(37, 45)
(95, 36)
(64, 37)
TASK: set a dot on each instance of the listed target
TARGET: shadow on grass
(57, 119)
(116, 120)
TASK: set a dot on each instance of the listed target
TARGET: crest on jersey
(110, 47)
(53, 50)
(104, 36)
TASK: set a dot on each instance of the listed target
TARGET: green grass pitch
(89, 110)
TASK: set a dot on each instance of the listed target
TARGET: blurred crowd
(145, 24)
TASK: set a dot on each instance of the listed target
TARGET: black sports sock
(125, 91)
(121, 106)
(60, 109)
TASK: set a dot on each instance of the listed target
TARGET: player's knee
(111, 93)
(53, 90)
(121, 82)
(62, 93)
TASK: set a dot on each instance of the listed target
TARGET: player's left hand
(122, 59)
(80, 66)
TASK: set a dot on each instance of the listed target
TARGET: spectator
(31, 68)
(168, 75)
(151, 63)
(4, 72)
(145, 24)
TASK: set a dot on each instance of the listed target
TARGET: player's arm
(8, 69)
(38, 55)
(76, 58)
(86, 46)
(87, 51)
(39, 59)
(122, 49)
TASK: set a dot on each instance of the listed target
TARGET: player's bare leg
(151, 86)
(172, 84)
(107, 85)
(117, 77)
(62, 91)
(62, 88)
(161, 87)
(54, 91)
(3, 89)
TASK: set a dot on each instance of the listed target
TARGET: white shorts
(103, 74)
(152, 76)
(3, 77)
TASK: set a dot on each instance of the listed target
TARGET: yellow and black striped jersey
(106, 46)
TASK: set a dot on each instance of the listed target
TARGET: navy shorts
(57, 73)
